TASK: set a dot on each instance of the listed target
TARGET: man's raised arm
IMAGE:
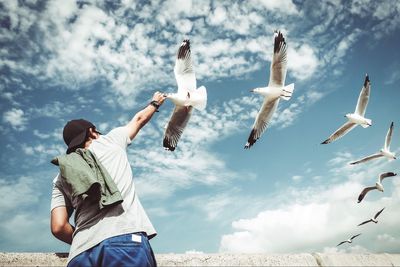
(143, 116)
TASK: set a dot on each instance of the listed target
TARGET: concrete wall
(304, 259)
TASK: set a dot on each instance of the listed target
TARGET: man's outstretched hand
(159, 97)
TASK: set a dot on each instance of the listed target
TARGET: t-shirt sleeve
(58, 198)
(119, 136)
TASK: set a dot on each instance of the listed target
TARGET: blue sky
(102, 61)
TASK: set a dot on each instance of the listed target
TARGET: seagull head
(256, 90)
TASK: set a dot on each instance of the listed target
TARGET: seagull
(275, 90)
(187, 97)
(350, 240)
(356, 118)
(378, 185)
(384, 152)
(373, 219)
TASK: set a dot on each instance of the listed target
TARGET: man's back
(129, 217)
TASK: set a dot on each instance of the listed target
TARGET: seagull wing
(374, 156)
(184, 73)
(363, 98)
(386, 174)
(389, 137)
(342, 243)
(262, 120)
(344, 129)
(378, 213)
(278, 67)
(364, 192)
(365, 222)
(176, 125)
(354, 236)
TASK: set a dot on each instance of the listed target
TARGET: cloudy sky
(102, 61)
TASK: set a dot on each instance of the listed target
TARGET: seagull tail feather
(287, 91)
(369, 123)
(199, 98)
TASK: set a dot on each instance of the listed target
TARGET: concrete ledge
(236, 260)
(302, 259)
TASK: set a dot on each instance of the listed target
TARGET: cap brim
(77, 141)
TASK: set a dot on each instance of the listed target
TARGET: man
(113, 235)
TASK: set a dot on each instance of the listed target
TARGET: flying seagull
(378, 185)
(384, 152)
(187, 97)
(373, 219)
(350, 240)
(356, 118)
(275, 90)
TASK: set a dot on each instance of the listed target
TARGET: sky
(103, 60)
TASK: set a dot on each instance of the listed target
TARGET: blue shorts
(123, 250)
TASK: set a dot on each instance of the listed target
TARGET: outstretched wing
(378, 213)
(363, 97)
(176, 125)
(184, 73)
(385, 175)
(365, 222)
(344, 129)
(374, 156)
(263, 118)
(388, 137)
(364, 192)
(354, 236)
(341, 243)
(278, 67)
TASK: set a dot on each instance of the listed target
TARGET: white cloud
(212, 206)
(18, 194)
(55, 109)
(284, 6)
(88, 44)
(16, 118)
(325, 215)
(218, 16)
(297, 178)
(314, 96)
(184, 26)
(393, 77)
(302, 61)
(43, 152)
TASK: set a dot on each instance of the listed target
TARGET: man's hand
(159, 97)
(143, 116)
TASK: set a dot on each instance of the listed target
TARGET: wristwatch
(155, 104)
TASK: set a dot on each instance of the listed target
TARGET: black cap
(75, 132)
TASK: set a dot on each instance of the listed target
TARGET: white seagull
(275, 90)
(356, 118)
(350, 240)
(187, 97)
(372, 219)
(378, 185)
(384, 152)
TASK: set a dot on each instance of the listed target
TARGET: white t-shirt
(128, 217)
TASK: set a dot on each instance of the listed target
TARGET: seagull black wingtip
(184, 49)
(366, 80)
